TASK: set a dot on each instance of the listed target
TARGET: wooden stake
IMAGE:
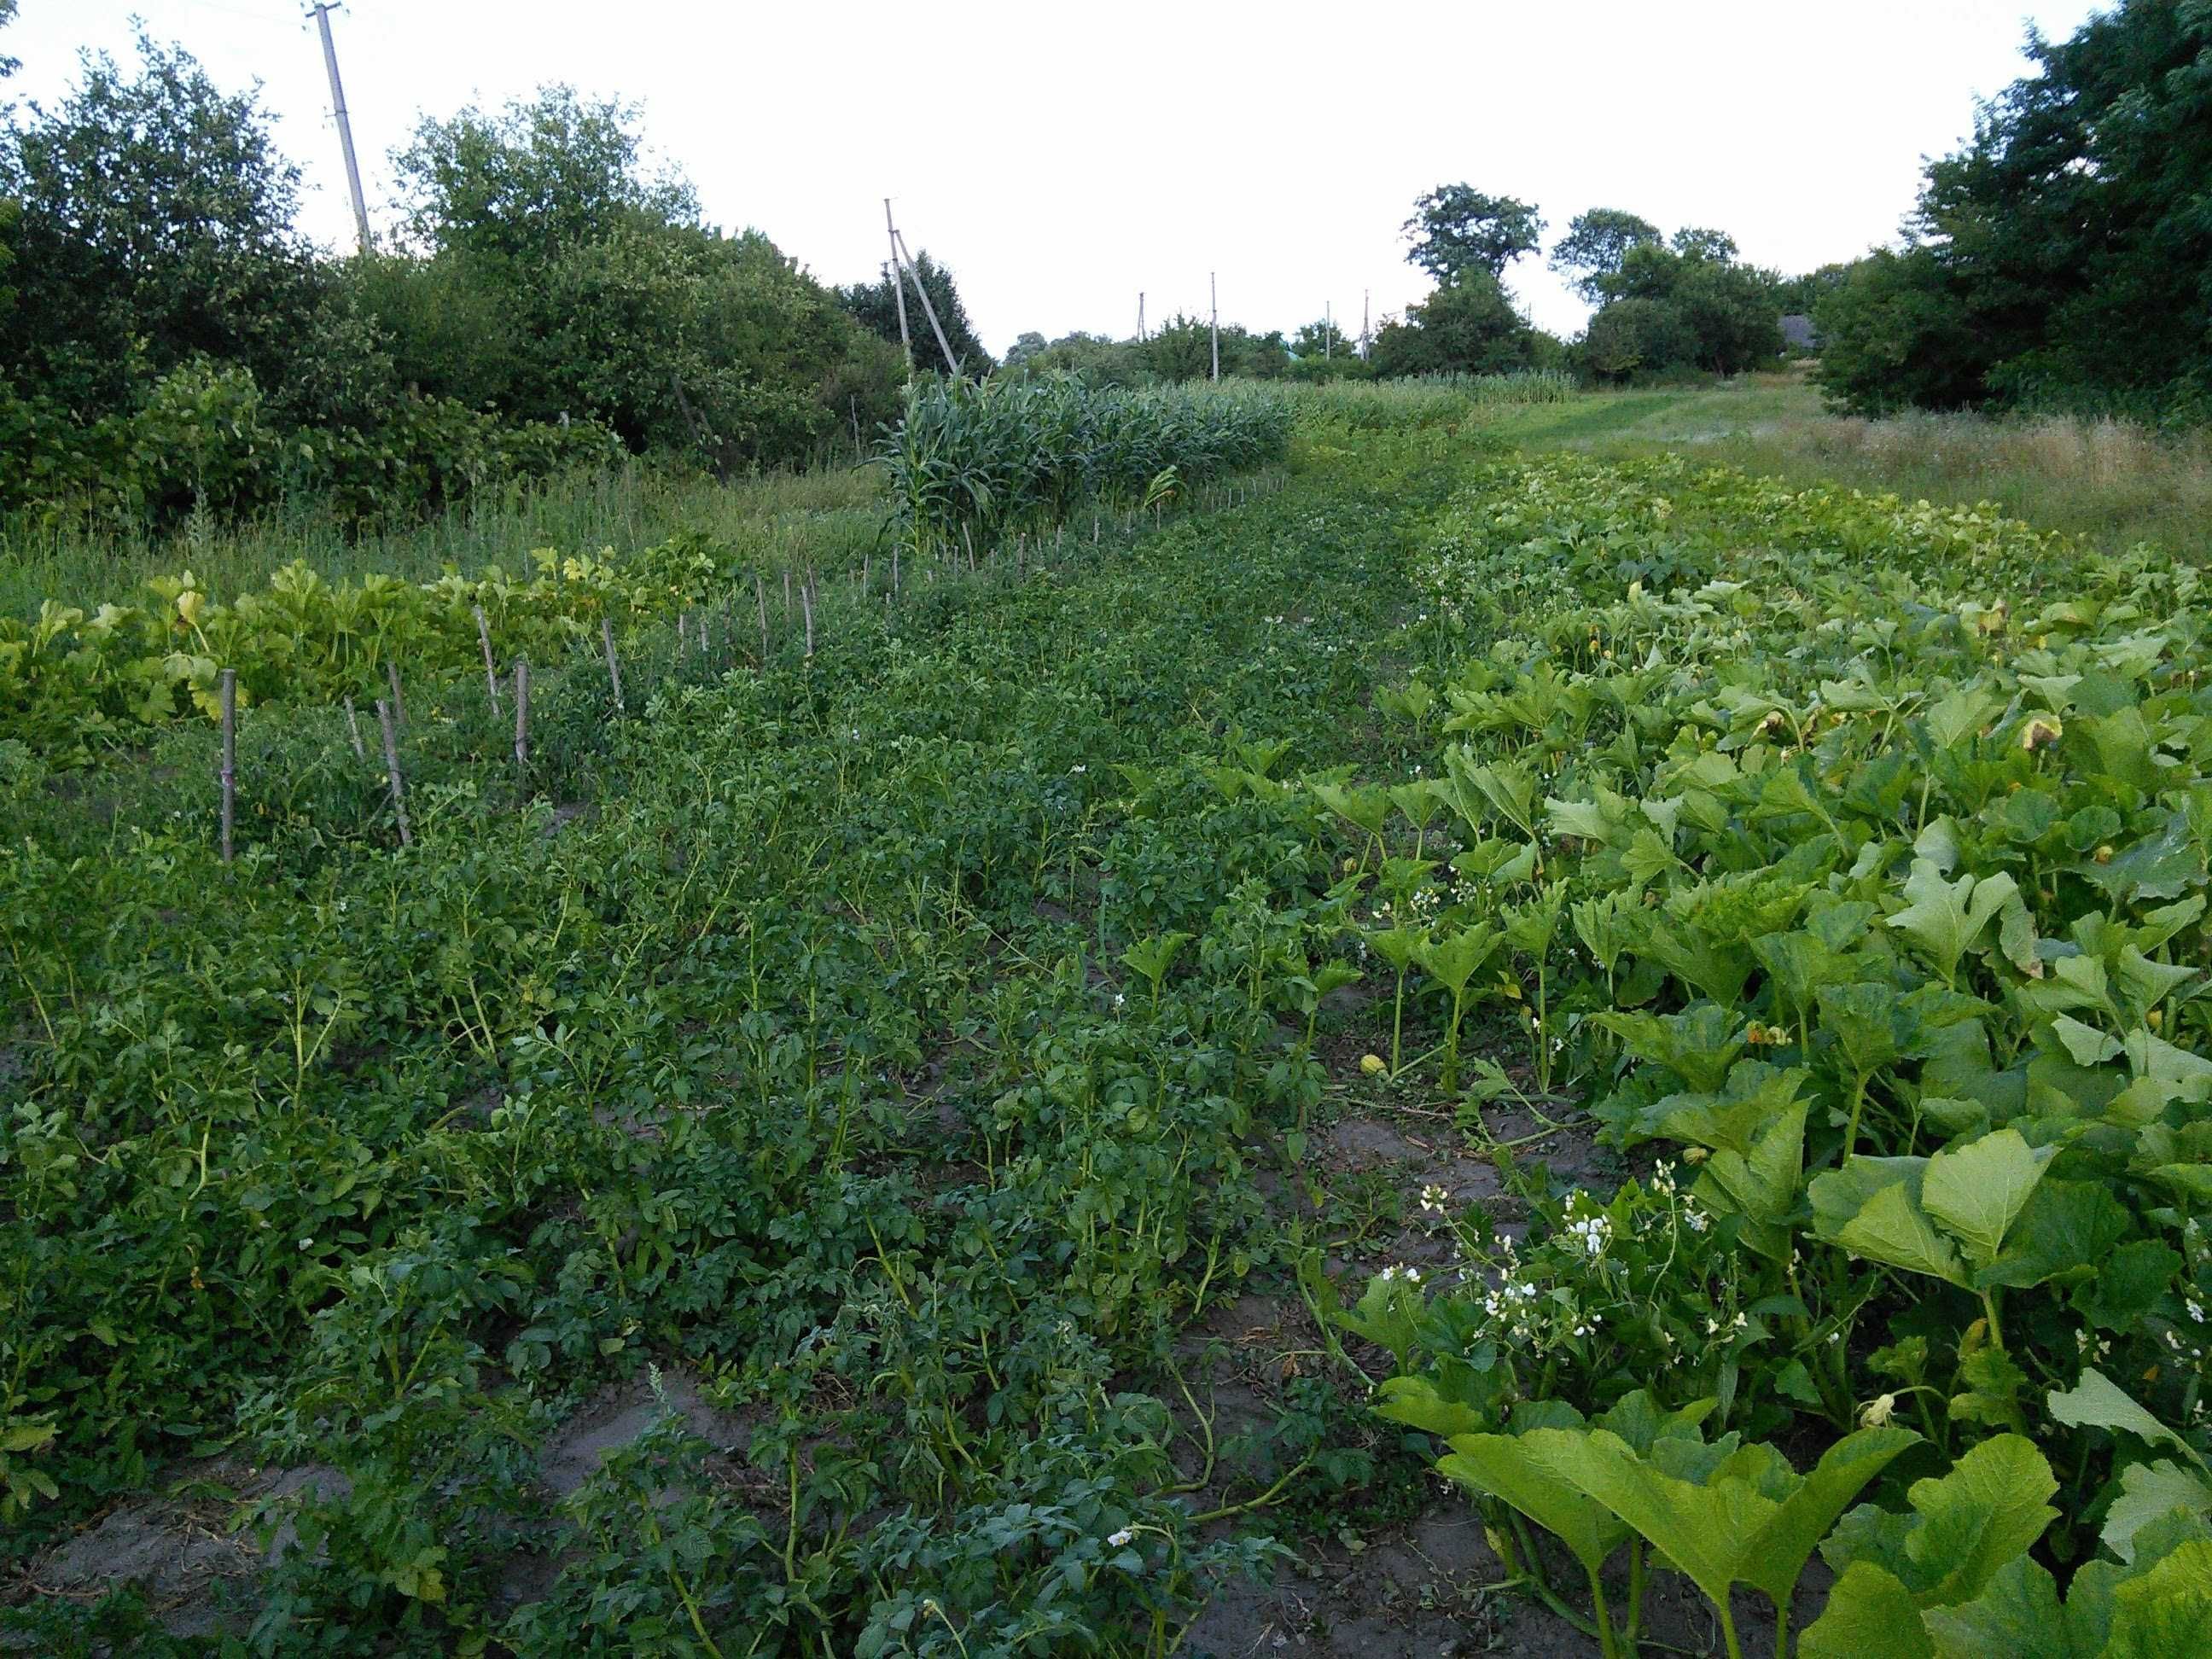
(491, 674)
(353, 725)
(521, 717)
(760, 598)
(384, 718)
(229, 773)
(614, 668)
(806, 601)
(398, 703)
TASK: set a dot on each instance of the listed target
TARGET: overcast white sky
(1062, 157)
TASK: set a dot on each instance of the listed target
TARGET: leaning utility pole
(321, 13)
(952, 363)
(1140, 315)
(896, 277)
(1213, 291)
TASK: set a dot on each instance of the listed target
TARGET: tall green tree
(553, 267)
(1468, 326)
(2070, 242)
(874, 306)
(1455, 229)
(1697, 308)
(542, 175)
(1595, 244)
(155, 225)
(1697, 242)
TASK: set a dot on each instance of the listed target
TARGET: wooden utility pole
(1213, 293)
(1363, 323)
(1327, 330)
(320, 12)
(891, 275)
(951, 363)
(1140, 316)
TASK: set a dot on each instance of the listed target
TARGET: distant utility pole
(1213, 292)
(321, 13)
(896, 279)
(1140, 315)
(1363, 324)
(1327, 330)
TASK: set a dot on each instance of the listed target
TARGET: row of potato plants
(1847, 858)
(791, 1053)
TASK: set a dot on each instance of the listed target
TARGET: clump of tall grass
(1427, 400)
(1530, 386)
(2111, 480)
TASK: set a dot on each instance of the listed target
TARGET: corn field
(972, 465)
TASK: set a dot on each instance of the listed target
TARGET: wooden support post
(521, 717)
(384, 718)
(353, 725)
(229, 773)
(806, 602)
(614, 668)
(760, 598)
(491, 674)
(398, 703)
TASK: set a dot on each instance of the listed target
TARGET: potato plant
(776, 1041)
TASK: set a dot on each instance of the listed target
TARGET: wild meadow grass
(2113, 482)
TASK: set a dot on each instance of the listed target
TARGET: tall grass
(2115, 483)
(1430, 400)
(44, 556)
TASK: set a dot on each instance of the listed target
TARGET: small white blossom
(1117, 1540)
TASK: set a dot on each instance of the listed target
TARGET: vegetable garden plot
(773, 1073)
(914, 1051)
(1852, 854)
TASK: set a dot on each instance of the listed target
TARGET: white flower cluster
(1433, 1198)
(1510, 1299)
(1595, 1232)
(1400, 1270)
